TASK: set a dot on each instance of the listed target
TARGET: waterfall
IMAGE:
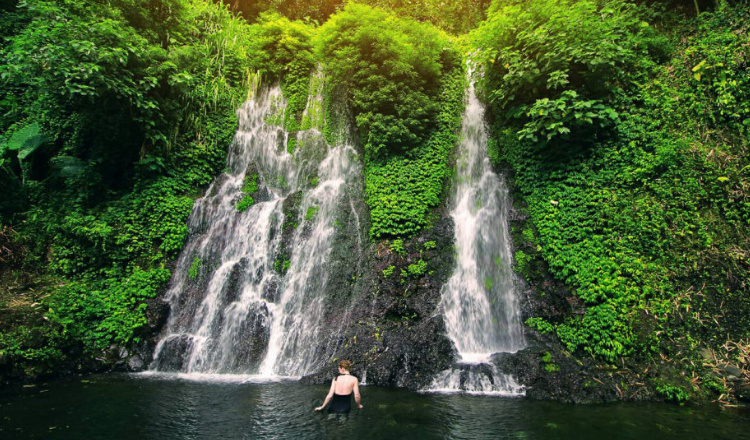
(479, 301)
(247, 293)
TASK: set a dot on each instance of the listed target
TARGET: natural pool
(141, 407)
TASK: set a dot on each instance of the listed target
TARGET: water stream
(479, 301)
(246, 295)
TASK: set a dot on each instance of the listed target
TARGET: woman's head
(345, 365)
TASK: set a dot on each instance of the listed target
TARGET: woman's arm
(328, 397)
(357, 397)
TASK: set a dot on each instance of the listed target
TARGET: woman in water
(341, 391)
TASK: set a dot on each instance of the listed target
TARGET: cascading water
(479, 302)
(246, 296)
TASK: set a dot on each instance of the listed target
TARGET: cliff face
(384, 318)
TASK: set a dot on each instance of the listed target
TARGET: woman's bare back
(344, 384)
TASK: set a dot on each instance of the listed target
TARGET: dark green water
(132, 407)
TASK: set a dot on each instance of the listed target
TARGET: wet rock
(174, 353)
(252, 339)
(217, 184)
(157, 312)
(742, 391)
(391, 330)
(136, 364)
(262, 195)
(271, 290)
(280, 140)
(706, 354)
(145, 350)
(290, 207)
(550, 373)
(730, 370)
(233, 287)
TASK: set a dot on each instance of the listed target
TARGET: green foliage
(717, 57)
(401, 191)
(404, 83)
(397, 247)
(454, 16)
(311, 211)
(487, 283)
(549, 65)
(282, 264)
(35, 350)
(283, 50)
(106, 311)
(548, 119)
(25, 141)
(429, 245)
(713, 384)
(417, 269)
(388, 271)
(549, 366)
(195, 268)
(245, 203)
(540, 325)
(249, 187)
(391, 68)
(522, 261)
(671, 393)
(651, 211)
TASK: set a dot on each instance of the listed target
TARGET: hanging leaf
(25, 141)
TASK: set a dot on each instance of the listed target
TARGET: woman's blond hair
(346, 365)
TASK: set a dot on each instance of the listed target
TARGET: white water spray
(238, 305)
(479, 301)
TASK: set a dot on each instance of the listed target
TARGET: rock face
(379, 315)
(551, 373)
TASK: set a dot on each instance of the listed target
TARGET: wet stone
(730, 370)
(232, 289)
(174, 353)
(271, 290)
(252, 340)
(135, 364)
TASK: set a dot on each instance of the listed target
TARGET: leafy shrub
(249, 187)
(388, 271)
(417, 269)
(283, 50)
(195, 268)
(672, 393)
(391, 68)
(311, 211)
(549, 65)
(647, 212)
(108, 311)
(404, 84)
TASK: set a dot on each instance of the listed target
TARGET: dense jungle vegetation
(624, 127)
